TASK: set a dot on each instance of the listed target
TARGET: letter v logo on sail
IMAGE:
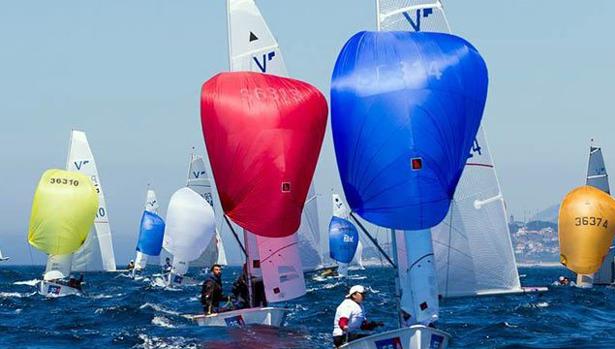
(262, 63)
(79, 164)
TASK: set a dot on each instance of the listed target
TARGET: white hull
(413, 337)
(251, 316)
(52, 289)
(4, 259)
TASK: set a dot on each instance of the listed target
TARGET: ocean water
(121, 313)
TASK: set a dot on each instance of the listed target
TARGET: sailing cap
(354, 289)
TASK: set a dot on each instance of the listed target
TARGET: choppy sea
(122, 313)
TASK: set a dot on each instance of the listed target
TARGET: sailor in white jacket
(350, 317)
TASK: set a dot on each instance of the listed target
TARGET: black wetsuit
(211, 294)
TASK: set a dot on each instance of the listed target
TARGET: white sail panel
(281, 267)
(309, 234)
(80, 159)
(596, 170)
(472, 245)
(412, 15)
(252, 45)
(151, 203)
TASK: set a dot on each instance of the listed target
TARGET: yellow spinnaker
(63, 212)
(586, 229)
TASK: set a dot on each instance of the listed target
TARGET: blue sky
(129, 74)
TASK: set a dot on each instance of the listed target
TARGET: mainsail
(472, 245)
(63, 211)
(252, 47)
(597, 177)
(198, 180)
(253, 140)
(97, 252)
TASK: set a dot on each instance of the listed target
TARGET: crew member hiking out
(350, 318)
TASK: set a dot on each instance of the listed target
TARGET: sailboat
(151, 233)
(253, 140)
(597, 177)
(96, 254)
(586, 231)
(472, 246)
(3, 258)
(63, 211)
(199, 182)
(406, 108)
(252, 47)
(189, 228)
(343, 236)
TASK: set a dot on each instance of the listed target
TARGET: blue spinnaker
(343, 239)
(405, 109)
(151, 234)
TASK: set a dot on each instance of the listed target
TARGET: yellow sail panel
(586, 229)
(63, 211)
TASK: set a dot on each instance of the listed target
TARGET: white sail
(251, 43)
(2, 258)
(280, 265)
(254, 48)
(596, 170)
(61, 263)
(199, 181)
(97, 252)
(189, 227)
(597, 177)
(151, 202)
(357, 261)
(472, 245)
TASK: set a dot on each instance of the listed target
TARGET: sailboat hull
(413, 337)
(268, 316)
(54, 290)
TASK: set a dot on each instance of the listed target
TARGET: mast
(396, 268)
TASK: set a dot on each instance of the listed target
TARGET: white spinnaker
(97, 252)
(190, 225)
(472, 245)
(596, 170)
(252, 47)
(199, 182)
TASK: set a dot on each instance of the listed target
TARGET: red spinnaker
(263, 135)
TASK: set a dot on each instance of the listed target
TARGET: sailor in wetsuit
(211, 294)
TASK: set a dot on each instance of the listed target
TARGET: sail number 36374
(595, 221)
(64, 181)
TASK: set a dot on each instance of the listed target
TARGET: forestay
(472, 245)
(97, 252)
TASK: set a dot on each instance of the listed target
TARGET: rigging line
(245, 253)
(373, 240)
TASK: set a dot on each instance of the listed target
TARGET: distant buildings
(535, 242)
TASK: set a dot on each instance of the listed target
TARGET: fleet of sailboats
(412, 161)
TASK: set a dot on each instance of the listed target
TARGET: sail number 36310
(595, 221)
(64, 181)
